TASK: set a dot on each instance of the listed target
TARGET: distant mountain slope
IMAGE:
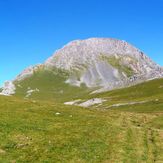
(98, 63)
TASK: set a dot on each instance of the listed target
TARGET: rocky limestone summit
(99, 62)
(84, 52)
(103, 62)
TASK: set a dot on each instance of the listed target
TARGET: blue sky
(31, 30)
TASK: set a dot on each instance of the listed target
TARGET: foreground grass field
(48, 131)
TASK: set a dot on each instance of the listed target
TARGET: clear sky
(31, 30)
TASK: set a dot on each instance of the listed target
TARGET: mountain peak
(90, 49)
(99, 62)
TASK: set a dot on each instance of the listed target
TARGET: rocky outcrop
(8, 89)
(28, 72)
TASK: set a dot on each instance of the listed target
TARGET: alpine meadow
(81, 81)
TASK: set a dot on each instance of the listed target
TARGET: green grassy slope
(51, 85)
(33, 132)
(149, 93)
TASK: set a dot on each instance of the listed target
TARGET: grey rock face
(104, 62)
(87, 51)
